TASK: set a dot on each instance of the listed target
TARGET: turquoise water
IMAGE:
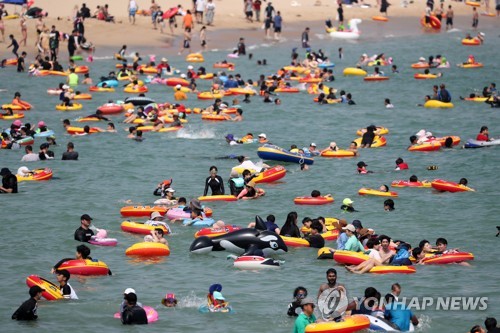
(38, 223)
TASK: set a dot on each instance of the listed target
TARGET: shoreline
(223, 36)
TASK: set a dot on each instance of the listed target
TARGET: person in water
(215, 182)
(347, 206)
(82, 253)
(169, 300)
(290, 228)
(389, 205)
(306, 317)
(484, 134)
(66, 290)
(315, 239)
(28, 310)
(299, 294)
(401, 164)
(84, 233)
(133, 314)
(362, 168)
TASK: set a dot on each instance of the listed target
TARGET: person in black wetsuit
(133, 314)
(215, 182)
(98, 114)
(368, 137)
(9, 181)
(298, 295)
(27, 310)
(83, 233)
(315, 239)
(290, 227)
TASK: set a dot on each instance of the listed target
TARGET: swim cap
(41, 123)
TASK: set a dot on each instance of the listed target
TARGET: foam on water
(192, 134)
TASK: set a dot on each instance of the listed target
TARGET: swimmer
(389, 205)
(388, 104)
(401, 165)
(362, 168)
(299, 294)
(169, 300)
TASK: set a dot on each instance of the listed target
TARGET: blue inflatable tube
(44, 134)
(110, 83)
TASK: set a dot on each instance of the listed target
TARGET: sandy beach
(229, 22)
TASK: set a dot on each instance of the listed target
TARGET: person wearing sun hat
(263, 138)
(313, 150)
(169, 300)
(347, 206)
(353, 244)
(306, 317)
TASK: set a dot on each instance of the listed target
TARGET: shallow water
(38, 223)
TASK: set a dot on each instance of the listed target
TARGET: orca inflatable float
(248, 241)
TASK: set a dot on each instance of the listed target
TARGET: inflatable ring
(79, 130)
(147, 69)
(451, 258)
(379, 131)
(85, 267)
(473, 3)
(148, 249)
(101, 89)
(352, 323)
(218, 198)
(209, 95)
(442, 140)
(213, 117)
(51, 293)
(255, 263)
(354, 71)
(81, 69)
(378, 141)
(313, 200)
(137, 90)
(111, 108)
(173, 81)
(16, 107)
(338, 153)
(375, 78)
(228, 65)
(82, 97)
(420, 65)
(388, 269)
(207, 76)
(295, 241)
(275, 153)
(310, 80)
(406, 183)
(287, 90)
(380, 18)
(271, 175)
(12, 117)
(369, 191)
(438, 104)
(141, 228)
(471, 42)
(241, 91)
(426, 146)
(447, 186)
(109, 83)
(214, 232)
(435, 23)
(37, 175)
(76, 57)
(139, 211)
(420, 76)
(349, 257)
(74, 107)
(195, 57)
(476, 65)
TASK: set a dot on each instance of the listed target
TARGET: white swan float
(351, 33)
